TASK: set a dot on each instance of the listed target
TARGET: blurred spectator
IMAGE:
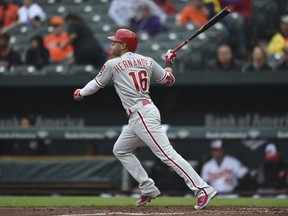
(8, 13)
(239, 25)
(213, 7)
(222, 171)
(273, 173)
(196, 12)
(29, 14)
(148, 23)
(87, 50)
(278, 45)
(54, 40)
(123, 11)
(8, 57)
(27, 146)
(167, 6)
(37, 55)
(258, 62)
(224, 61)
(242, 7)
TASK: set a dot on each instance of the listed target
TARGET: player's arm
(165, 76)
(89, 89)
(100, 81)
(169, 57)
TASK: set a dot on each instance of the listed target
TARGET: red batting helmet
(126, 36)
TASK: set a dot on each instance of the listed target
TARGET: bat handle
(179, 46)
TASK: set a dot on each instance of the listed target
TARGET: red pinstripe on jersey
(164, 153)
(99, 84)
(163, 79)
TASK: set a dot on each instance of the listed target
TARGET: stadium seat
(179, 4)
(166, 36)
(81, 69)
(54, 69)
(45, 3)
(190, 60)
(216, 31)
(3, 70)
(265, 18)
(52, 9)
(73, 2)
(25, 70)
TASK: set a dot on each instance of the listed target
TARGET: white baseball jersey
(223, 177)
(131, 74)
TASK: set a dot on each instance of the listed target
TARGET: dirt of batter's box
(143, 211)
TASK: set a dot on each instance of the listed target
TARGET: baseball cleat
(204, 200)
(143, 199)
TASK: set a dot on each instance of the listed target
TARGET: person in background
(196, 12)
(8, 13)
(258, 62)
(224, 61)
(242, 7)
(8, 57)
(27, 146)
(87, 50)
(273, 173)
(278, 44)
(148, 23)
(240, 27)
(213, 7)
(29, 14)
(54, 40)
(223, 171)
(123, 11)
(37, 55)
(168, 6)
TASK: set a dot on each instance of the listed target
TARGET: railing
(183, 77)
(173, 132)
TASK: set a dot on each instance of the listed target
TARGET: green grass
(90, 201)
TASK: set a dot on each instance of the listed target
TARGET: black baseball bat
(221, 14)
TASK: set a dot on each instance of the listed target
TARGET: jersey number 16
(140, 80)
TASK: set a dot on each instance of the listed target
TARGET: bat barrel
(224, 12)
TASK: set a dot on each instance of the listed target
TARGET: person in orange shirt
(196, 12)
(8, 13)
(54, 41)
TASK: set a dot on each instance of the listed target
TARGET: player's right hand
(77, 95)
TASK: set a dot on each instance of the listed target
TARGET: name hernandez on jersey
(132, 63)
(131, 74)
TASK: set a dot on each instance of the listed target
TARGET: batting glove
(170, 56)
(77, 95)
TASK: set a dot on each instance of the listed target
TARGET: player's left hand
(170, 56)
(77, 95)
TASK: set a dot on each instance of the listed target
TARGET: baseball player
(222, 171)
(131, 74)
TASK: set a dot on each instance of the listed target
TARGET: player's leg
(124, 149)
(150, 131)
